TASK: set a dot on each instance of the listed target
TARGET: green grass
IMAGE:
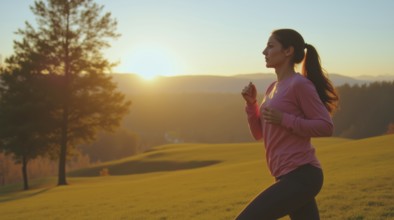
(209, 181)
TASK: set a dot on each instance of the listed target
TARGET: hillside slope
(213, 181)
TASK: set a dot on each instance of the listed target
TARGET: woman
(295, 108)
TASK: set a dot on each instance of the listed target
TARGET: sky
(226, 37)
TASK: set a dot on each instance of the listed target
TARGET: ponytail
(312, 70)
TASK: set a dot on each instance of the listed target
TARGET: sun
(150, 61)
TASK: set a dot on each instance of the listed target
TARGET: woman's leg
(291, 194)
(308, 211)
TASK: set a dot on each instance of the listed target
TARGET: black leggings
(293, 194)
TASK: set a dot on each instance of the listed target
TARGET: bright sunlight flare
(150, 61)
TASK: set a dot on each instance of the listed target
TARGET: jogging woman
(295, 108)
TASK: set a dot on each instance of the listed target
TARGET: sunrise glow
(150, 61)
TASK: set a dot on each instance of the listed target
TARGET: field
(209, 182)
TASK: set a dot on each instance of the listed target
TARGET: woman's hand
(272, 116)
(249, 93)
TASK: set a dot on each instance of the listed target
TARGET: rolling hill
(210, 181)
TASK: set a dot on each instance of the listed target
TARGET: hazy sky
(226, 37)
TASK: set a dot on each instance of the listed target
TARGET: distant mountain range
(133, 84)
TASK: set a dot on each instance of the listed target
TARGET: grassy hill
(210, 181)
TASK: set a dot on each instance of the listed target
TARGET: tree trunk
(24, 173)
(2, 171)
(64, 135)
(63, 150)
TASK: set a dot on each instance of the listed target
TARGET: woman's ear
(289, 51)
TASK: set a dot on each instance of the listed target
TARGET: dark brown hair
(311, 68)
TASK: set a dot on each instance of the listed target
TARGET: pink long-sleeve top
(288, 145)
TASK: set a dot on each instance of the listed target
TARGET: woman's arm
(249, 93)
(317, 121)
(253, 114)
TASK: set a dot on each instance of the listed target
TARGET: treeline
(365, 110)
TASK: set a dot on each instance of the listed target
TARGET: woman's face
(274, 53)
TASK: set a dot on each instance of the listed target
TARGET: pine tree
(67, 45)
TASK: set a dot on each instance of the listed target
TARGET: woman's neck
(284, 72)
